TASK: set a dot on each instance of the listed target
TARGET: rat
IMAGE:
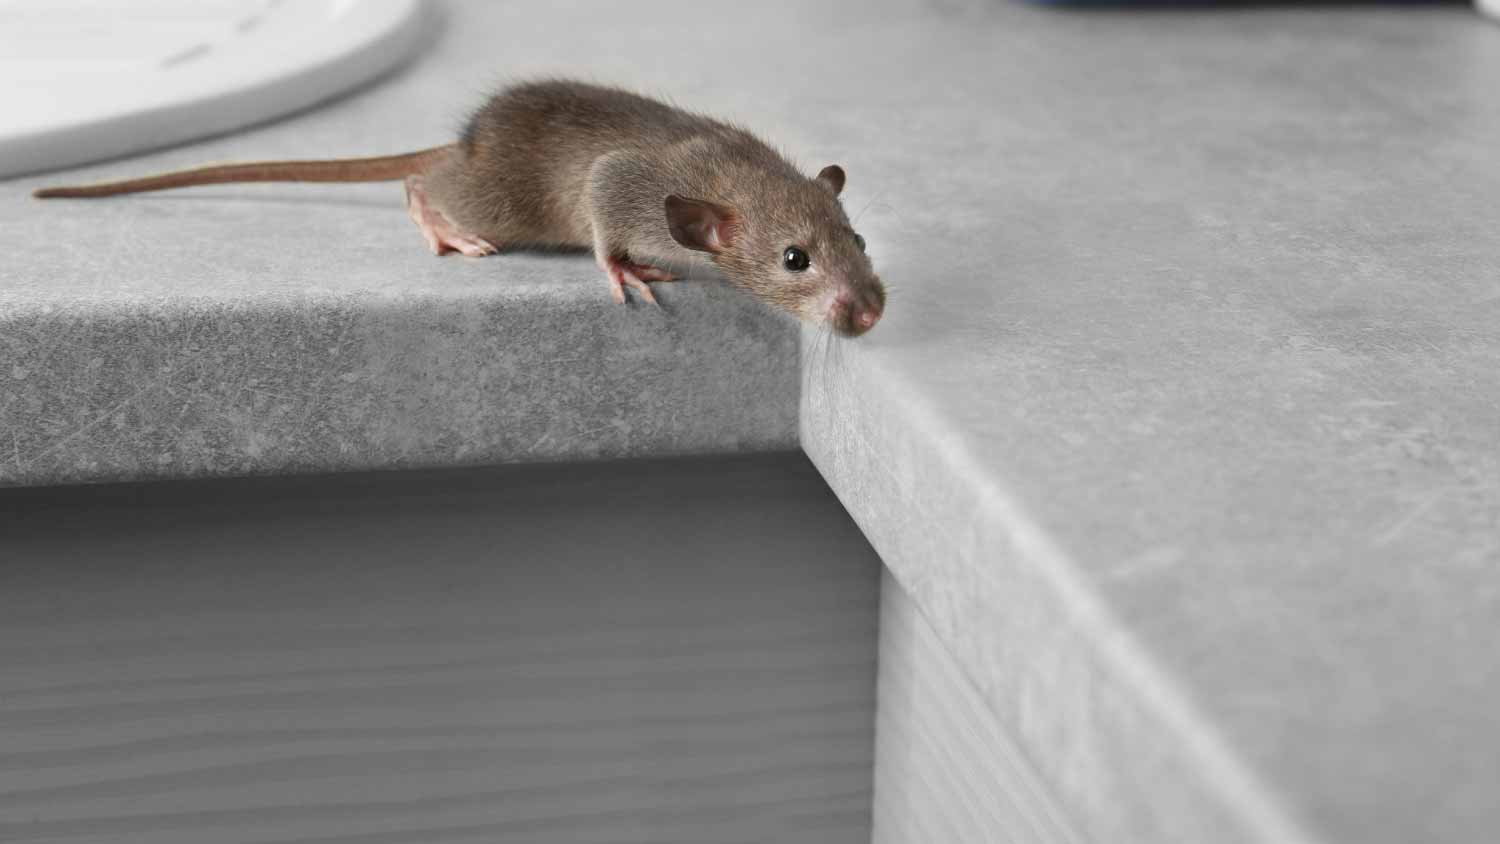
(647, 186)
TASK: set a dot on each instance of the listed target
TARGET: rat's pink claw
(622, 274)
(474, 247)
(441, 235)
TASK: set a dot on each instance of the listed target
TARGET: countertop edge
(1122, 744)
(196, 388)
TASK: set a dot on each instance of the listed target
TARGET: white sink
(82, 80)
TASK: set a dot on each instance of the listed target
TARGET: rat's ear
(833, 177)
(700, 225)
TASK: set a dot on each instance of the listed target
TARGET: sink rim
(226, 90)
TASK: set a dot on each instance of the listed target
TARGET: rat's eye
(859, 240)
(795, 259)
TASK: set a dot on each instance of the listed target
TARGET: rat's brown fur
(568, 164)
(558, 163)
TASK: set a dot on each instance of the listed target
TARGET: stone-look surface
(319, 382)
(945, 768)
(1183, 425)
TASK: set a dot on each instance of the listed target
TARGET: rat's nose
(853, 314)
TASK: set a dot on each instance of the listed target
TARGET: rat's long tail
(381, 169)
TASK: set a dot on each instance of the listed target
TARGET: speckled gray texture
(1183, 426)
(315, 383)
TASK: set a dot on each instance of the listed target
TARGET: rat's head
(791, 245)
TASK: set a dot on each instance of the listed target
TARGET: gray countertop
(1182, 428)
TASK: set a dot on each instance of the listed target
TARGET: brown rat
(645, 185)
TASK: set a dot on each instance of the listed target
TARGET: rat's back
(589, 119)
(524, 157)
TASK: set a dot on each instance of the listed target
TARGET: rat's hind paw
(441, 235)
(474, 247)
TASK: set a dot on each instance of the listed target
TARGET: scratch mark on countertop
(1394, 532)
(98, 418)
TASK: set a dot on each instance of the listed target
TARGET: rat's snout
(854, 311)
